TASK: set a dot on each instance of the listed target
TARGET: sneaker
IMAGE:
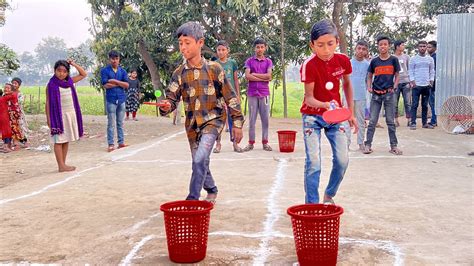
(429, 126)
(122, 146)
(433, 124)
(412, 127)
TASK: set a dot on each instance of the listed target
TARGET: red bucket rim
(338, 210)
(286, 131)
(166, 207)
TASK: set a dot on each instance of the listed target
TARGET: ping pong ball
(329, 85)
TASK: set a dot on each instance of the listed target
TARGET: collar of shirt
(255, 57)
(187, 65)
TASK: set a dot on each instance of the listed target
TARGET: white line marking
(301, 158)
(130, 152)
(128, 259)
(272, 215)
(127, 154)
(51, 185)
(139, 224)
(385, 245)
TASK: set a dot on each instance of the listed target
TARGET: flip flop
(367, 150)
(216, 150)
(211, 198)
(395, 151)
(238, 150)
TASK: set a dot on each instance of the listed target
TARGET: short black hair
(362, 43)
(10, 85)
(114, 54)
(63, 63)
(191, 29)
(398, 43)
(223, 43)
(383, 37)
(433, 43)
(323, 27)
(422, 42)
(17, 80)
(259, 40)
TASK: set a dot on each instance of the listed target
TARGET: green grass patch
(92, 101)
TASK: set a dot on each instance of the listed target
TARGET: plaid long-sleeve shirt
(204, 91)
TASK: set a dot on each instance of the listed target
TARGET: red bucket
(187, 226)
(286, 140)
(316, 233)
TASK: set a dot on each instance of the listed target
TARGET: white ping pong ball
(329, 85)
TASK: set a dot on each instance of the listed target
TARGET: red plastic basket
(286, 140)
(187, 226)
(316, 233)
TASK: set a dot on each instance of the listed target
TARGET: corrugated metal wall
(455, 57)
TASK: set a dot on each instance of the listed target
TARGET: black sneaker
(433, 124)
(429, 126)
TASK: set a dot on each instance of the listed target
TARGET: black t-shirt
(384, 72)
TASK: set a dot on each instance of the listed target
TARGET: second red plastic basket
(316, 233)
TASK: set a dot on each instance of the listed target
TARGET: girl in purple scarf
(63, 112)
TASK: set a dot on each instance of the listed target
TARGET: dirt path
(411, 209)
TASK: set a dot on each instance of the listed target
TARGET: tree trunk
(146, 56)
(336, 18)
(283, 72)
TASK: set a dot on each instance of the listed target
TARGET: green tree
(8, 60)
(48, 51)
(3, 7)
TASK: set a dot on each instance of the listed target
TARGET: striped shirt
(205, 90)
(421, 70)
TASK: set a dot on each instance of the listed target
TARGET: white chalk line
(385, 245)
(128, 154)
(128, 259)
(4, 201)
(273, 214)
(365, 157)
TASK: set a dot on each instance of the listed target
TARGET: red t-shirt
(321, 72)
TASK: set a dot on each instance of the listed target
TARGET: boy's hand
(353, 123)
(237, 133)
(165, 105)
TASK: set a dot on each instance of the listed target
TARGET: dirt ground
(415, 209)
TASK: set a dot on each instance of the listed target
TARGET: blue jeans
(432, 105)
(387, 100)
(201, 176)
(115, 116)
(312, 125)
(424, 91)
(404, 90)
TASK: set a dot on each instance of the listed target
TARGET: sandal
(238, 149)
(249, 147)
(367, 150)
(267, 147)
(217, 149)
(395, 151)
(211, 197)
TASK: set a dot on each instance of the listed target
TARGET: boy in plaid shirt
(204, 89)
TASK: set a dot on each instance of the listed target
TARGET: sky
(29, 21)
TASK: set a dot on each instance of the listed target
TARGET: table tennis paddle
(336, 115)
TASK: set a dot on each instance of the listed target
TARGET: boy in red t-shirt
(321, 74)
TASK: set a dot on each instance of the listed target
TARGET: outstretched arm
(82, 72)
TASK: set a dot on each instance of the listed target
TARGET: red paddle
(155, 104)
(336, 115)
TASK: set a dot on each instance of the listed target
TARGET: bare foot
(66, 168)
